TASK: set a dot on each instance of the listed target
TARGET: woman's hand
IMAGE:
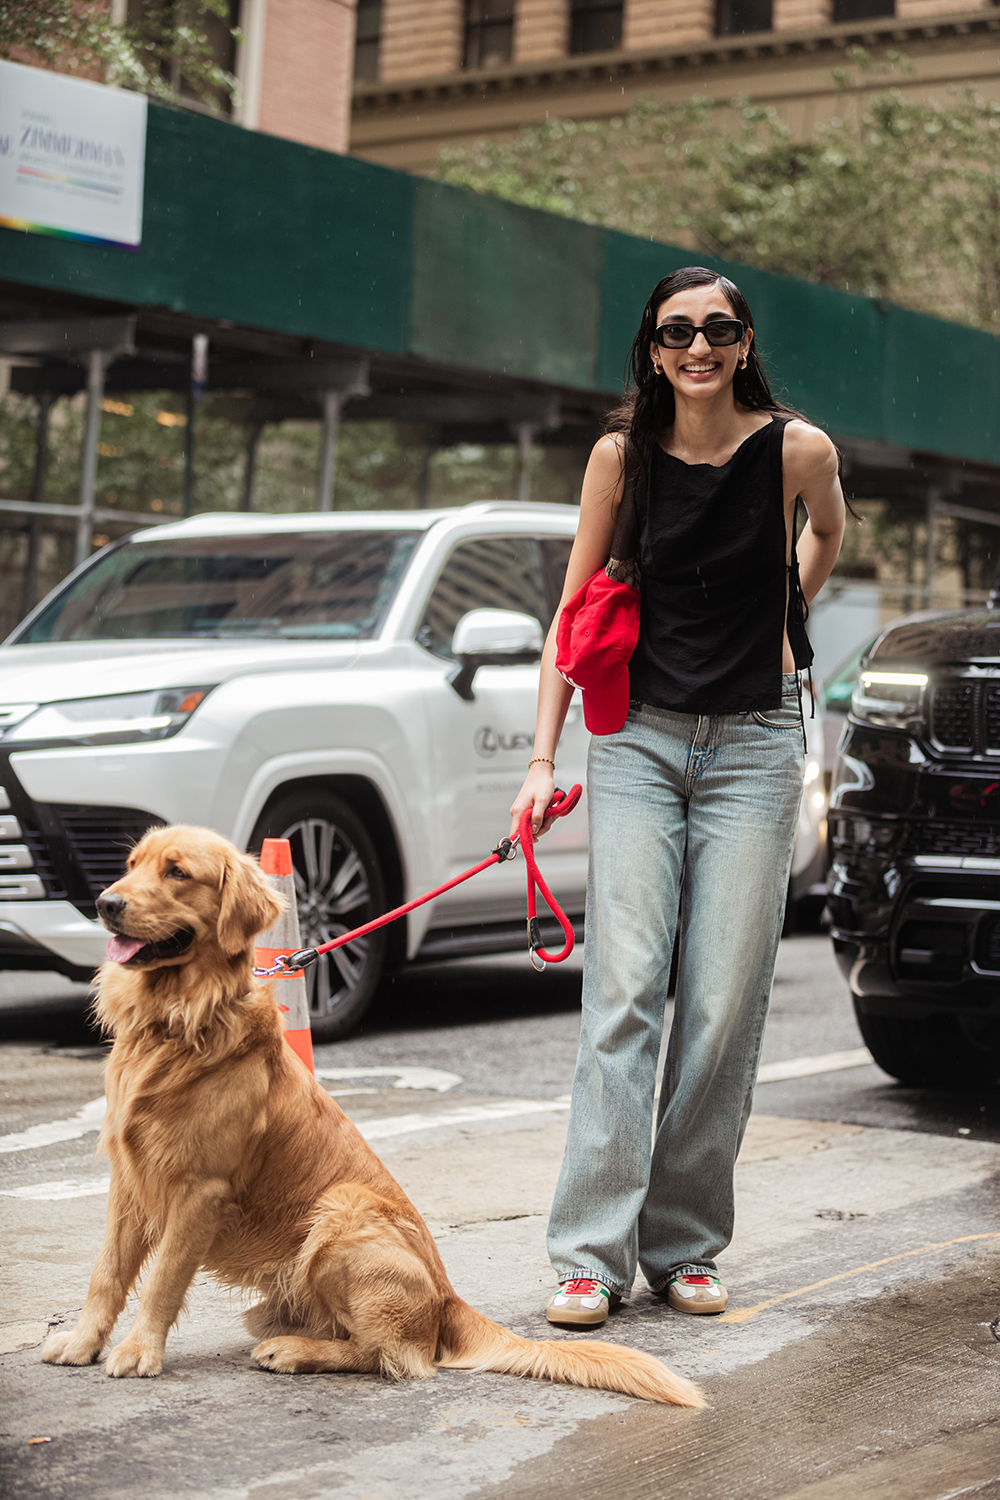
(536, 793)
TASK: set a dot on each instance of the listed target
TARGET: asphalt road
(509, 1031)
(856, 1358)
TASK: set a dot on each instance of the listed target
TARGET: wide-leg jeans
(696, 815)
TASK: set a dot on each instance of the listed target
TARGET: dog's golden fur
(227, 1155)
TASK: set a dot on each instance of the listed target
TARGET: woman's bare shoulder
(609, 449)
(806, 450)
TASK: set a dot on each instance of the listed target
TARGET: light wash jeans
(710, 803)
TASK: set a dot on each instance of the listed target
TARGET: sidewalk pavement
(856, 1358)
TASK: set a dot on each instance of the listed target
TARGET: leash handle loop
(561, 804)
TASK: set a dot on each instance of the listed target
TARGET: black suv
(914, 883)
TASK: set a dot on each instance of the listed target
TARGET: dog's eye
(176, 873)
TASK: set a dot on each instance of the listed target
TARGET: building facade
(295, 66)
(430, 73)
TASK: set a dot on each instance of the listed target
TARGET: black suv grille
(934, 837)
(100, 839)
(953, 716)
(965, 716)
(992, 717)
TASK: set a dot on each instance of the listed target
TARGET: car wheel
(338, 886)
(942, 1051)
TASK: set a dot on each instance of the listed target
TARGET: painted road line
(744, 1314)
(372, 1130)
(434, 1080)
(89, 1118)
(806, 1067)
(380, 1130)
(54, 1192)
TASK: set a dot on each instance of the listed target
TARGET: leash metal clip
(506, 848)
(290, 962)
(534, 943)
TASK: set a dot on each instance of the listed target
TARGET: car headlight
(894, 700)
(120, 719)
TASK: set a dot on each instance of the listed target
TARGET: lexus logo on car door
(488, 741)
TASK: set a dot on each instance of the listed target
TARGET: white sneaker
(582, 1302)
(695, 1289)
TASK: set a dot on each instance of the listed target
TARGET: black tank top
(712, 551)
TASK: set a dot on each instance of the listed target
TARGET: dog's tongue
(121, 949)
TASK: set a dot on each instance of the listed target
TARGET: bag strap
(625, 542)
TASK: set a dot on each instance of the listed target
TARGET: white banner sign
(72, 156)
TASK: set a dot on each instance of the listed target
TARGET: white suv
(361, 684)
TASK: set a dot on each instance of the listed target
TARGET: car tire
(339, 885)
(942, 1051)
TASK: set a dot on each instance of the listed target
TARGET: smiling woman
(694, 782)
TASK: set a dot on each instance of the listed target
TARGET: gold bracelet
(541, 760)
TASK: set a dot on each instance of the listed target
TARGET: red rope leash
(561, 804)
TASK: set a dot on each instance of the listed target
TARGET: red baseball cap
(596, 636)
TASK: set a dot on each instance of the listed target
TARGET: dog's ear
(248, 904)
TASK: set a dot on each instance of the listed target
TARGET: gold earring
(743, 362)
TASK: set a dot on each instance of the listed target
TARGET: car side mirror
(492, 638)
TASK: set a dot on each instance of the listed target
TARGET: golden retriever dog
(228, 1156)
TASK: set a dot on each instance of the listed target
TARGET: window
(862, 10)
(162, 30)
(733, 17)
(332, 585)
(367, 39)
(489, 32)
(595, 25)
(491, 572)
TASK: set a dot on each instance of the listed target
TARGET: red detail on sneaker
(695, 1280)
(581, 1287)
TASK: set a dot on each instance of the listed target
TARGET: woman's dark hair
(648, 408)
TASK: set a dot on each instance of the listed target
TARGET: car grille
(100, 839)
(26, 869)
(934, 837)
(988, 946)
(952, 716)
(965, 716)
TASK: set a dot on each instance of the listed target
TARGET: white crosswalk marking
(806, 1067)
(89, 1118)
(379, 1130)
(54, 1192)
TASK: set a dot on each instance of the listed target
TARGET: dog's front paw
(133, 1357)
(70, 1348)
(288, 1356)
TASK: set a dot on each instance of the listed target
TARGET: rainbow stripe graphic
(84, 182)
(28, 227)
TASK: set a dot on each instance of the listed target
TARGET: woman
(700, 788)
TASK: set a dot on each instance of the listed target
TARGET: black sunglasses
(718, 332)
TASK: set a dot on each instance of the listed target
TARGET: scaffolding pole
(97, 364)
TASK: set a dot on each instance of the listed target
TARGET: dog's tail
(471, 1341)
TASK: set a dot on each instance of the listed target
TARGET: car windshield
(305, 585)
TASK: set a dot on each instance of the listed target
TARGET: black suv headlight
(893, 700)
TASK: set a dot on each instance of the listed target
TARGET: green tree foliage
(167, 51)
(890, 197)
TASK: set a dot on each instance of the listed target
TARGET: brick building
(434, 72)
(295, 66)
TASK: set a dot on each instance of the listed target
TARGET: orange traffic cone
(283, 937)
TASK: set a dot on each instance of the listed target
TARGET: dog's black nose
(109, 905)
